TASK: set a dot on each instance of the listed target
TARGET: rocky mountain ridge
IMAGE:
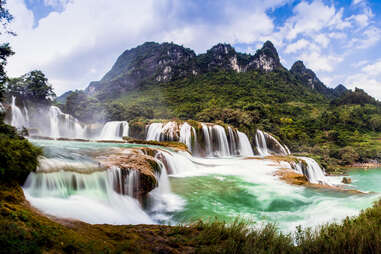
(152, 62)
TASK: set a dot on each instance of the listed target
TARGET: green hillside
(167, 81)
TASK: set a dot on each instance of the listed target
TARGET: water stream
(190, 188)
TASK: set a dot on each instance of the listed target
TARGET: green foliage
(18, 157)
(31, 87)
(5, 52)
(84, 107)
(277, 102)
(359, 96)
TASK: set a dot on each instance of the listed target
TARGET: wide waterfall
(68, 189)
(267, 145)
(49, 122)
(71, 192)
(210, 140)
(64, 125)
(114, 130)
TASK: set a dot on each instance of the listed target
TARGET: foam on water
(190, 188)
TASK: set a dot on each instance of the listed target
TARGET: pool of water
(222, 189)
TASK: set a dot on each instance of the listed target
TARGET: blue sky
(77, 41)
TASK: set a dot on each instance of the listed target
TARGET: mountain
(153, 63)
(339, 90)
(309, 78)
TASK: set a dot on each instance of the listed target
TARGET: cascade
(64, 125)
(114, 130)
(18, 120)
(154, 131)
(216, 141)
(222, 142)
(260, 140)
(186, 132)
(233, 140)
(312, 171)
(245, 148)
(84, 194)
(207, 139)
(264, 141)
(54, 113)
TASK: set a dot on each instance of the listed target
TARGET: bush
(18, 157)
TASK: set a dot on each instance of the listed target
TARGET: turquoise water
(221, 188)
(366, 179)
(229, 197)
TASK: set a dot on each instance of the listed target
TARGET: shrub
(18, 157)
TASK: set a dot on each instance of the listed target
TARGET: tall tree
(5, 49)
(37, 87)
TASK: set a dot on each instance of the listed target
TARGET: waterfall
(64, 125)
(215, 140)
(154, 131)
(114, 130)
(54, 113)
(245, 148)
(312, 171)
(223, 145)
(265, 141)
(186, 132)
(98, 197)
(207, 139)
(260, 140)
(18, 120)
(27, 120)
(233, 139)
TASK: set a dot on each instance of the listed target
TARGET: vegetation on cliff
(245, 91)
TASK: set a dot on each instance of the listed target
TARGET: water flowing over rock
(18, 119)
(55, 191)
(64, 125)
(114, 130)
(266, 145)
(207, 140)
(310, 169)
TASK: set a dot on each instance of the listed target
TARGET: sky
(77, 41)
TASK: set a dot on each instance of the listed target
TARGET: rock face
(148, 62)
(138, 169)
(347, 180)
(339, 90)
(153, 62)
(309, 78)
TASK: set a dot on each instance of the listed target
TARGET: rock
(346, 180)
(133, 163)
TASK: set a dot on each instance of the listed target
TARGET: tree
(5, 52)
(5, 18)
(37, 87)
(5, 49)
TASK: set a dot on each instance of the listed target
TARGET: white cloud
(368, 38)
(369, 84)
(319, 62)
(296, 46)
(56, 3)
(373, 69)
(84, 37)
(81, 42)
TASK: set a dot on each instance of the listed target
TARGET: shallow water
(204, 189)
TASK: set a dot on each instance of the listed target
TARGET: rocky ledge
(136, 167)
